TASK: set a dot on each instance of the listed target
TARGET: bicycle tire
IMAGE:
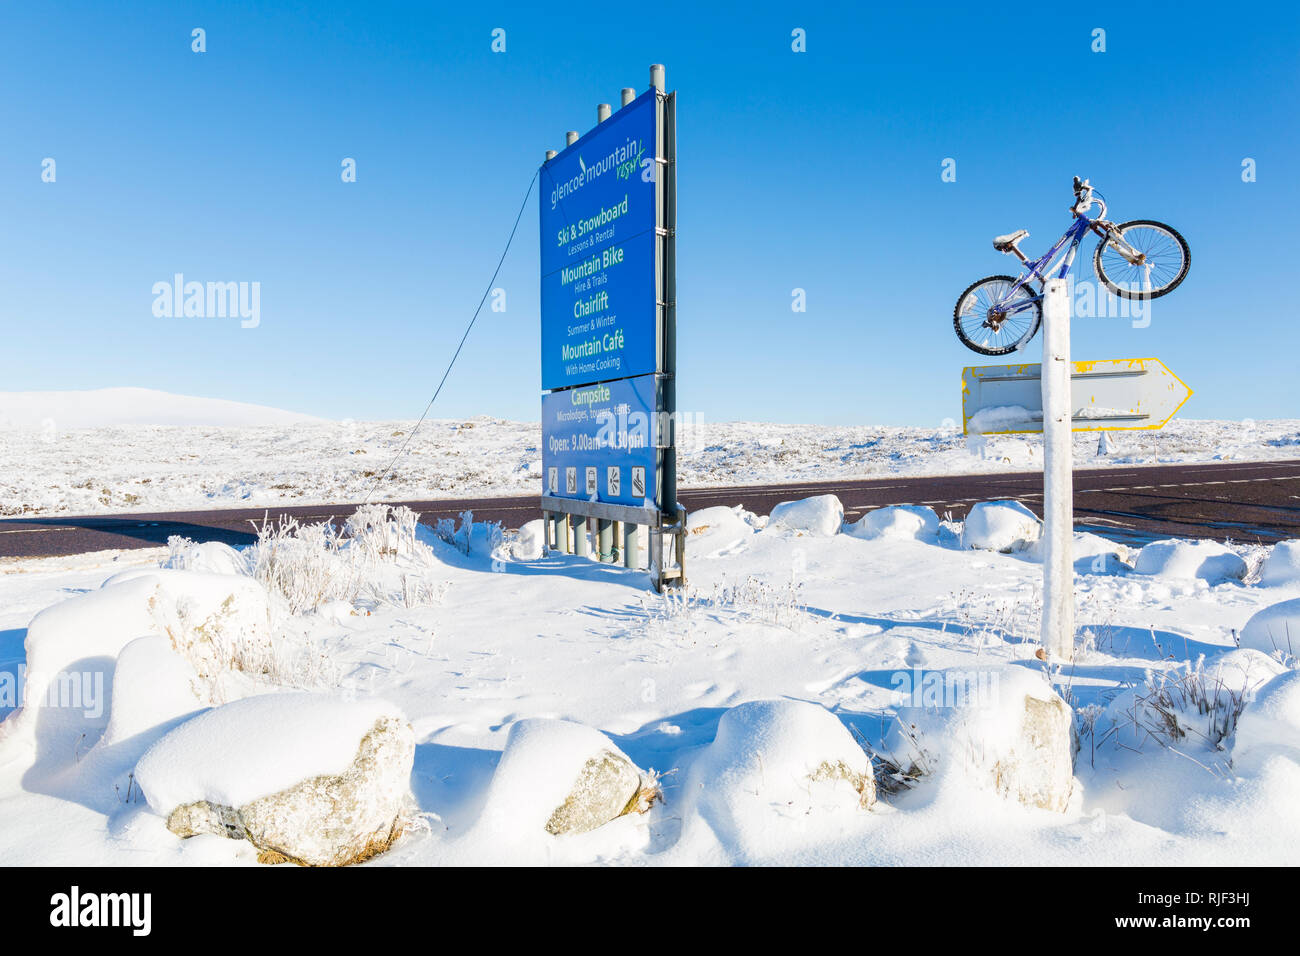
(1143, 294)
(984, 349)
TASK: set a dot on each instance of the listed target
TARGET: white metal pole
(570, 137)
(603, 112)
(1058, 476)
(657, 76)
(627, 95)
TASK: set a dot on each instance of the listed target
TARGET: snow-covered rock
(219, 623)
(897, 522)
(152, 686)
(1275, 630)
(1094, 554)
(1002, 729)
(1282, 566)
(71, 650)
(1004, 526)
(819, 515)
(778, 757)
(1270, 724)
(1189, 560)
(561, 777)
(530, 542)
(214, 557)
(713, 531)
(306, 778)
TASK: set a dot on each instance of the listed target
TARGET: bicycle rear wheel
(1160, 265)
(990, 320)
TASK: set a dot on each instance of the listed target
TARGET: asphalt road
(1250, 502)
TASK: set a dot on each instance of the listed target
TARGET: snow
(1275, 630)
(819, 515)
(1270, 724)
(1208, 561)
(970, 729)
(153, 686)
(67, 469)
(251, 748)
(1282, 566)
(55, 412)
(1004, 526)
(538, 770)
(528, 544)
(1094, 554)
(899, 522)
(718, 530)
(997, 418)
(834, 622)
(214, 557)
(776, 761)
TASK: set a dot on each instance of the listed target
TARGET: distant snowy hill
(132, 406)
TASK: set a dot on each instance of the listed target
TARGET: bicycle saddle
(1007, 243)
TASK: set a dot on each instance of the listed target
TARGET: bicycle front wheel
(1149, 259)
(989, 319)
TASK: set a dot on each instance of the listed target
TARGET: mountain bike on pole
(1140, 259)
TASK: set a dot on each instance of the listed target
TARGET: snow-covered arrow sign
(1112, 394)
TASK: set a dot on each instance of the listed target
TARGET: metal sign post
(609, 336)
(1058, 476)
(1057, 398)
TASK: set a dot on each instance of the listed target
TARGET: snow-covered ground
(842, 621)
(59, 468)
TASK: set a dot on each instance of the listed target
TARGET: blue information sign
(599, 442)
(598, 219)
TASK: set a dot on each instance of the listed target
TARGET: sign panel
(1107, 395)
(598, 219)
(599, 442)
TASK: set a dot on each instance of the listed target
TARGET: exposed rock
(562, 778)
(330, 820)
(608, 787)
(319, 780)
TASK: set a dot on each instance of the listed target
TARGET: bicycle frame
(1041, 267)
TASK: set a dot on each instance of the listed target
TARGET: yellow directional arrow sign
(1107, 395)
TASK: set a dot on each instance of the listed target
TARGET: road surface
(1249, 502)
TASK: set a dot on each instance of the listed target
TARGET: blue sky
(816, 170)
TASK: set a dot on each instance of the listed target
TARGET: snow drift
(1208, 561)
(1275, 630)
